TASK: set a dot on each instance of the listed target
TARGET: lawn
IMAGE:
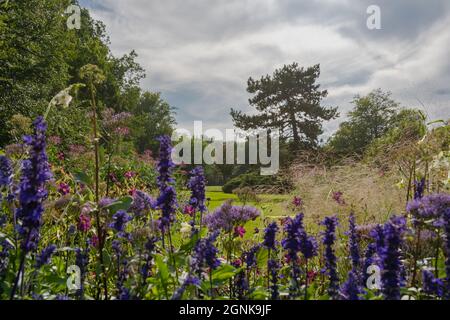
(271, 205)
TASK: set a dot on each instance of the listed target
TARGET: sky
(200, 53)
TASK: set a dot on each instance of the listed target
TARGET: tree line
(40, 56)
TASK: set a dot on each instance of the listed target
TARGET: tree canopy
(289, 100)
(372, 116)
(40, 56)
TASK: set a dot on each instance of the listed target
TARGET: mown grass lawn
(271, 205)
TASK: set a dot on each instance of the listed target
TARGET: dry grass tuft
(371, 193)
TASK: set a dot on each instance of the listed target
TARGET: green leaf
(122, 204)
(259, 293)
(224, 273)
(261, 257)
(188, 246)
(82, 177)
(163, 271)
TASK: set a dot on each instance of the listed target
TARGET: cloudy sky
(200, 53)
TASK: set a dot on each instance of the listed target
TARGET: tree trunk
(295, 130)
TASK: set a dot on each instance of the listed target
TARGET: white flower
(186, 228)
(62, 99)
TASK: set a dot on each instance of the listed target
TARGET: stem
(47, 111)
(416, 255)
(108, 171)
(306, 280)
(436, 261)
(16, 280)
(173, 256)
(296, 289)
(21, 267)
(96, 147)
(97, 197)
(268, 272)
(201, 220)
(210, 282)
(229, 257)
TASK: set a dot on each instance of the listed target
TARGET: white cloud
(200, 53)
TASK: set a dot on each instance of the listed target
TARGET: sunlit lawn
(270, 204)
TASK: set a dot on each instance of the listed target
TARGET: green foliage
(372, 116)
(256, 180)
(40, 56)
(246, 194)
(154, 117)
(33, 51)
(407, 126)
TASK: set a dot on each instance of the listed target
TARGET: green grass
(271, 205)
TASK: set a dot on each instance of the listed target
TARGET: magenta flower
(84, 223)
(112, 177)
(63, 188)
(94, 241)
(61, 156)
(297, 201)
(337, 196)
(129, 174)
(237, 263)
(239, 231)
(190, 210)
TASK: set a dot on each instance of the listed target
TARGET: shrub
(278, 183)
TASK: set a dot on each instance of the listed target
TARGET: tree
(32, 56)
(40, 56)
(371, 117)
(407, 127)
(289, 100)
(153, 117)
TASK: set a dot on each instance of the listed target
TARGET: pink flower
(132, 192)
(61, 156)
(55, 140)
(288, 259)
(147, 157)
(297, 201)
(76, 150)
(122, 131)
(190, 210)
(84, 223)
(311, 276)
(86, 209)
(64, 188)
(237, 263)
(112, 177)
(239, 231)
(129, 174)
(337, 196)
(94, 241)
